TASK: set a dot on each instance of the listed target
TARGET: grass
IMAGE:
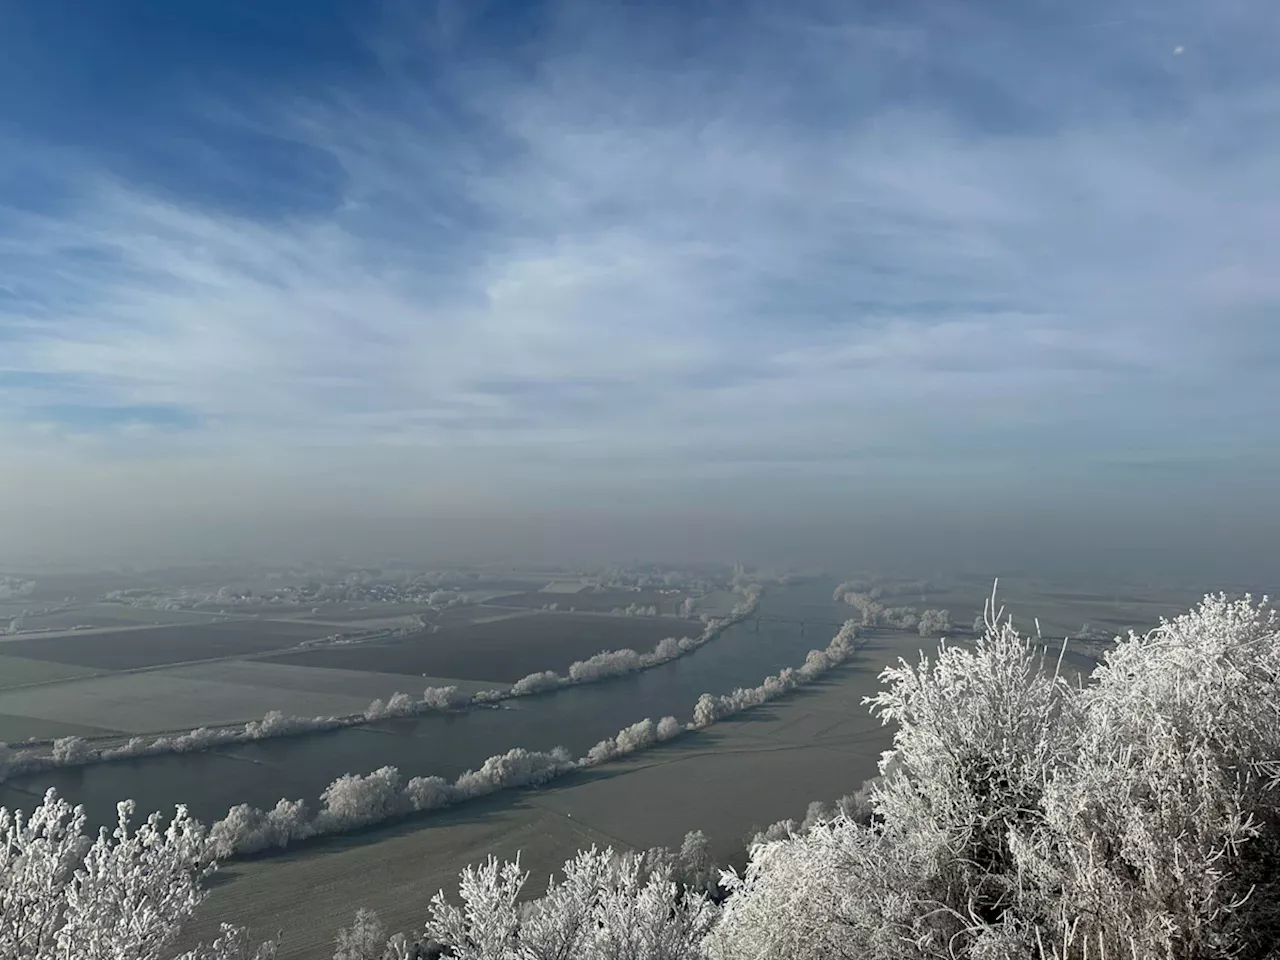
(502, 650)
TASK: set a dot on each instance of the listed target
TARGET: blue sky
(466, 257)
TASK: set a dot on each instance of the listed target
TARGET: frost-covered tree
(668, 728)
(354, 800)
(71, 750)
(445, 698)
(536, 683)
(1020, 816)
(609, 663)
(366, 939)
(868, 605)
(246, 829)
(934, 623)
(695, 866)
(124, 895)
(515, 768)
(904, 618)
(608, 906)
(667, 649)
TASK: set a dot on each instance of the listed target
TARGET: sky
(816, 279)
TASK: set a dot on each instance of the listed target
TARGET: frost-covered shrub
(71, 750)
(602, 752)
(608, 906)
(276, 724)
(638, 736)
(445, 698)
(401, 705)
(536, 683)
(668, 728)
(354, 801)
(429, 793)
(515, 768)
(1019, 816)
(609, 663)
(247, 829)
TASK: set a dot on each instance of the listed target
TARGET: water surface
(575, 718)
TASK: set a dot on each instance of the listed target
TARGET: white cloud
(599, 263)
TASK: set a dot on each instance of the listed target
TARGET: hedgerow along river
(446, 745)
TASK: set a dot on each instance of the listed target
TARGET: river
(446, 745)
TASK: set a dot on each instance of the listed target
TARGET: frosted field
(503, 648)
(282, 676)
(15, 729)
(717, 604)
(112, 615)
(564, 587)
(19, 671)
(134, 647)
(181, 698)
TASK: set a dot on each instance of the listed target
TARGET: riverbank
(746, 772)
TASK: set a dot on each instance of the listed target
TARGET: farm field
(20, 671)
(347, 612)
(183, 698)
(565, 586)
(718, 603)
(603, 601)
(502, 650)
(737, 776)
(15, 728)
(281, 676)
(155, 646)
(111, 615)
(497, 586)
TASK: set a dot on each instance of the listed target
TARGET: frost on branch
(122, 896)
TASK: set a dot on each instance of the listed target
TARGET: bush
(1018, 816)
